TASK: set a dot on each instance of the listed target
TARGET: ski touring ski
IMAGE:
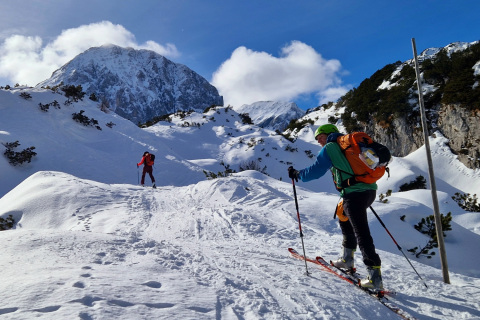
(354, 279)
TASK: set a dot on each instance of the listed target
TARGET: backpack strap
(347, 182)
(352, 180)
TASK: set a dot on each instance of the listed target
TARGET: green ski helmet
(326, 128)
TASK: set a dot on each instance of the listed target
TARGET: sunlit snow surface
(89, 243)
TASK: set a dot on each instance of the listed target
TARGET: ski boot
(374, 279)
(347, 261)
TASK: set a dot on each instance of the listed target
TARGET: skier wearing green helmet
(356, 200)
(326, 129)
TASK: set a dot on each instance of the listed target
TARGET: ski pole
(300, 225)
(138, 175)
(398, 246)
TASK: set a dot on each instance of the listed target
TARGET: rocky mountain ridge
(137, 84)
(386, 105)
(273, 115)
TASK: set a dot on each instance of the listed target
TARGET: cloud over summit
(27, 60)
(249, 76)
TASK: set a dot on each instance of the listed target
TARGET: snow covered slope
(215, 249)
(90, 243)
(108, 155)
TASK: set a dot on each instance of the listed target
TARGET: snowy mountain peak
(137, 84)
(451, 48)
(272, 115)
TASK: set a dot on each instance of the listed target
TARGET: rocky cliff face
(401, 138)
(460, 126)
(137, 84)
(386, 104)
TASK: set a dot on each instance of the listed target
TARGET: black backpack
(152, 157)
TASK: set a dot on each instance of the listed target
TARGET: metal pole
(433, 187)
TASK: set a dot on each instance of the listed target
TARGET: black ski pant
(356, 230)
(149, 170)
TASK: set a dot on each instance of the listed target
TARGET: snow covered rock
(271, 114)
(137, 84)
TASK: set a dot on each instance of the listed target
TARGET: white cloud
(332, 94)
(249, 76)
(25, 60)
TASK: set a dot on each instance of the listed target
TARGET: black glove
(292, 173)
(137, 165)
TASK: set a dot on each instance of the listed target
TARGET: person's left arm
(318, 168)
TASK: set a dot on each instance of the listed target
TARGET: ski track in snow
(214, 250)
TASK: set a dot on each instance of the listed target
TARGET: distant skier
(356, 199)
(148, 161)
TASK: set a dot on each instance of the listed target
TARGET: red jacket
(148, 161)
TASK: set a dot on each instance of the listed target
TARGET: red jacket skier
(147, 168)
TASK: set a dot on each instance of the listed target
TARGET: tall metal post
(433, 187)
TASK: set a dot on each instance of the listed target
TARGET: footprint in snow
(7, 310)
(88, 301)
(48, 309)
(160, 305)
(120, 303)
(153, 284)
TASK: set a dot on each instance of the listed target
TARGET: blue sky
(306, 51)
